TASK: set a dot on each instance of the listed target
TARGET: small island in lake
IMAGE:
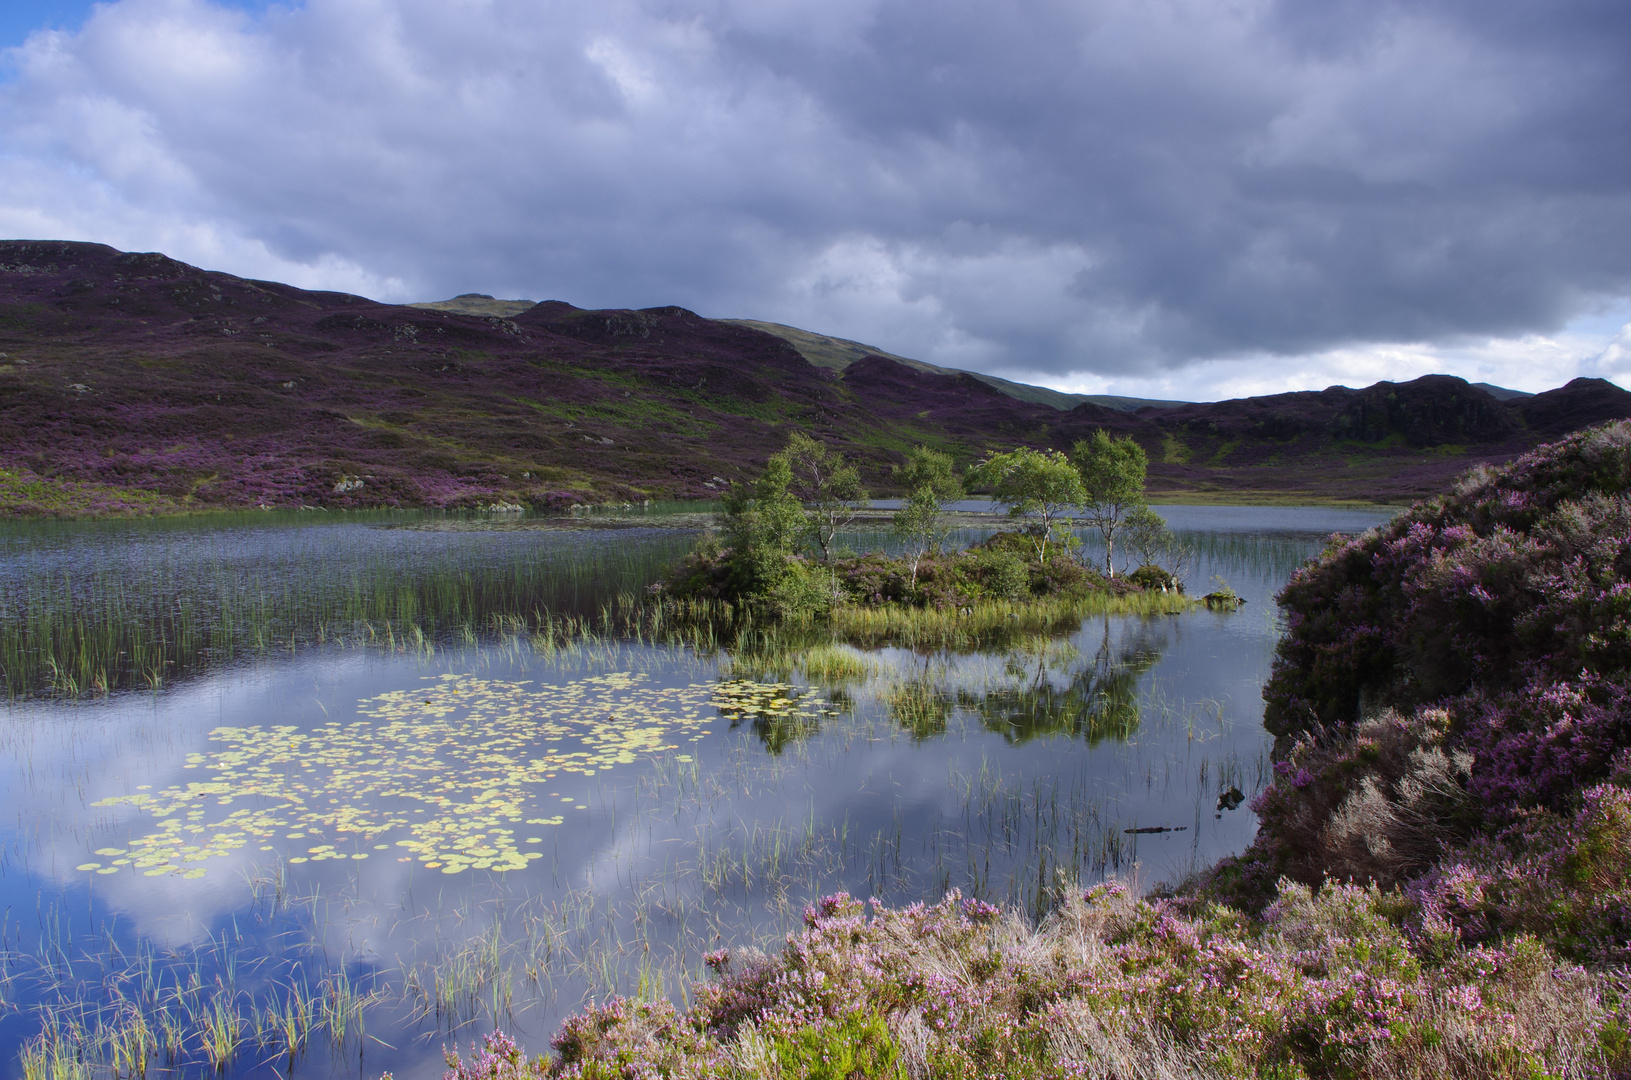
(779, 553)
(1440, 885)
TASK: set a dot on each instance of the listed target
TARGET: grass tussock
(990, 624)
(835, 664)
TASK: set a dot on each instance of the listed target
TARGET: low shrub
(1453, 704)
(1325, 983)
(1004, 569)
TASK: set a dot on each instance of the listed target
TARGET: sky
(1192, 199)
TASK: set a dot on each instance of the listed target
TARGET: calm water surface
(371, 851)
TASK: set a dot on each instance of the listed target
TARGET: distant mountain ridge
(134, 383)
(836, 354)
(478, 304)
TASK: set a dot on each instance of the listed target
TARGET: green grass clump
(857, 1044)
(834, 664)
(991, 623)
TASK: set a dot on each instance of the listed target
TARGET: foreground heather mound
(1109, 986)
(1454, 687)
(1441, 886)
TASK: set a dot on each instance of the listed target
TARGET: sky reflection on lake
(550, 825)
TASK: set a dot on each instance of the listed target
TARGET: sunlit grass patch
(835, 664)
(990, 623)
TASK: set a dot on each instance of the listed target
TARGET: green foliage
(800, 591)
(1151, 576)
(931, 483)
(1145, 535)
(858, 1045)
(762, 523)
(1002, 574)
(1112, 477)
(805, 495)
(1039, 484)
(828, 488)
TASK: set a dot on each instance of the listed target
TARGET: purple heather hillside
(133, 383)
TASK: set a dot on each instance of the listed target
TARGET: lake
(318, 794)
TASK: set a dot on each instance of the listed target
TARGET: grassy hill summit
(133, 383)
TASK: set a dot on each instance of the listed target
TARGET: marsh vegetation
(401, 780)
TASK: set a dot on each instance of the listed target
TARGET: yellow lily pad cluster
(453, 774)
(742, 699)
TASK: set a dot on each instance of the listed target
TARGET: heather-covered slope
(1453, 703)
(134, 380)
(135, 383)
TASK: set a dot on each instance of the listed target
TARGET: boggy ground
(1440, 886)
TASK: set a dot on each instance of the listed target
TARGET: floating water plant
(451, 774)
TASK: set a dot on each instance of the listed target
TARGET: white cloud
(1532, 363)
(1102, 193)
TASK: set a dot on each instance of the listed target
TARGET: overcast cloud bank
(1174, 197)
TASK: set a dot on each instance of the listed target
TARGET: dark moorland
(133, 383)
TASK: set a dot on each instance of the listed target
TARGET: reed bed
(79, 626)
(991, 624)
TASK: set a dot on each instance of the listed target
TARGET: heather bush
(1326, 983)
(1451, 697)
(498, 1059)
(1381, 805)
(1517, 579)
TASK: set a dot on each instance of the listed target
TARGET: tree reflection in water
(1099, 701)
(1050, 687)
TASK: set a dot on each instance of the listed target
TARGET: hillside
(136, 383)
(840, 353)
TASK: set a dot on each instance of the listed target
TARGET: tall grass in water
(89, 619)
(988, 624)
(80, 627)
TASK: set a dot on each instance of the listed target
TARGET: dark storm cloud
(1066, 187)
